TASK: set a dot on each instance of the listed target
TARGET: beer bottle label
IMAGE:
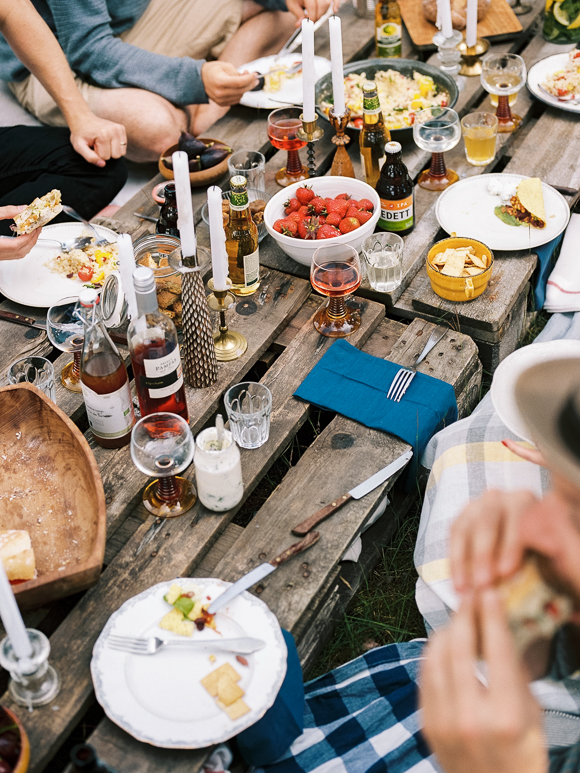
(252, 268)
(396, 215)
(239, 201)
(163, 376)
(371, 105)
(389, 39)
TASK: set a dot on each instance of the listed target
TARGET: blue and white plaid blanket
(363, 718)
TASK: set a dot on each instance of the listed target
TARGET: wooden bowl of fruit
(208, 159)
(14, 744)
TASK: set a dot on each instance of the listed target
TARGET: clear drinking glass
(383, 254)
(250, 164)
(162, 445)
(34, 370)
(249, 406)
(336, 272)
(479, 133)
(218, 471)
(283, 125)
(66, 332)
(437, 129)
(504, 75)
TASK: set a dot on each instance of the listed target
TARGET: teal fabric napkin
(546, 254)
(355, 384)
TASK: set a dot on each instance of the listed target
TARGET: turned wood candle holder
(341, 165)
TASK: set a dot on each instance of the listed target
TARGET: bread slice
(17, 555)
(39, 213)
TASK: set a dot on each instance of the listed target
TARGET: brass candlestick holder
(198, 350)
(471, 56)
(229, 345)
(311, 134)
(341, 165)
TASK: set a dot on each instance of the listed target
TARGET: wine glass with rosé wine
(336, 273)
(283, 125)
(66, 332)
(162, 445)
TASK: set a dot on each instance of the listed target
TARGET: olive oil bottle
(373, 134)
(242, 241)
(388, 29)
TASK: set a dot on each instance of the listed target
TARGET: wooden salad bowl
(50, 486)
(24, 759)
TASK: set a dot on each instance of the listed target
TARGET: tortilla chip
(236, 710)
(454, 265)
(531, 196)
(211, 681)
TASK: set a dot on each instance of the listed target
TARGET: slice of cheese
(17, 555)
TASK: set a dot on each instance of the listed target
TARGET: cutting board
(500, 20)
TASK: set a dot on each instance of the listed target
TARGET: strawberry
(304, 194)
(327, 232)
(333, 219)
(279, 224)
(296, 217)
(353, 204)
(292, 205)
(304, 210)
(307, 228)
(352, 212)
(289, 227)
(318, 206)
(343, 196)
(363, 216)
(348, 224)
(366, 204)
(337, 206)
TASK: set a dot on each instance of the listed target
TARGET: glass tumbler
(383, 254)
(479, 133)
(34, 370)
(251, 164)
(249, 406)
(218, 471)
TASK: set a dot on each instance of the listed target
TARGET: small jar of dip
(218, 472)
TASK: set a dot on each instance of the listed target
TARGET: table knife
(356, 493)
(257, 574)
(20, 319)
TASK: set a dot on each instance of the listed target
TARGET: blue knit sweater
(86, 31)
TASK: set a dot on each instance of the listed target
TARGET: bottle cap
(393, 147)
(369, 86)
(143, 280)
(239, 181)
(88, 297)
(83, 756)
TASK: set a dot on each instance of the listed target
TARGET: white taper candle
(471, 29)
(219, 257)
(184, 206)
(446, 25)
(12, 619)
(126, 269)
(334, 26)
(308, 73)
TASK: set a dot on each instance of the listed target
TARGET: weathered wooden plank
(17, 341)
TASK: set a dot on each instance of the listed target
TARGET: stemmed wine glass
(66, 332)
(283, 125)
(503, 75)
(336, 272)
(437, 129)
(162, 445)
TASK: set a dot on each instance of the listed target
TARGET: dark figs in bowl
(205, 168)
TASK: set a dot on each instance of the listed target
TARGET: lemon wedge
(575, 24)
(561, 15)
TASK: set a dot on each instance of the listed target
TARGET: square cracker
(229, 691)
(454, 265)
(236, 710)
(211, 681)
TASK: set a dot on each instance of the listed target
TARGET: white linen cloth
(563, 288)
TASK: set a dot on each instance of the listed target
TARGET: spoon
(100, 241)
(74, 244)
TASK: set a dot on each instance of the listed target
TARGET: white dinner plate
(291, 92)
(538, 74)
(509, 370)
(28, 281)
(159, 699)
(466, 208)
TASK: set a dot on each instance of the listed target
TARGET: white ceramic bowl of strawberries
(301, 249)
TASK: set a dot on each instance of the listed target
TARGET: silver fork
(100, 241)
(152, 644)
(404, 376)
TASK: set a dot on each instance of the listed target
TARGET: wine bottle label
(396, 215)
(252, 268)
(371, 105)
(110, 416)
(239, 201)
(163, 376)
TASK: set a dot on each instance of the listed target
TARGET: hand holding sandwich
(18, 246)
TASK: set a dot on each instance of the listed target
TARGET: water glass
(383, 254)
(34, 370)
(249, 406)
(479, 133)
(250, 164)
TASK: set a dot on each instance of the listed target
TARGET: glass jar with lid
(152, 251)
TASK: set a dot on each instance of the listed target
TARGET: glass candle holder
(503, 75)
(34, 370)
(218, 471)
(33, 682)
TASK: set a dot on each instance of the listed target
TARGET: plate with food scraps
(555, 81)
(46, 274)
(167, 699)
(468, 208)
(280, 89)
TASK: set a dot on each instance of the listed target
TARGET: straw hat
(548, 398)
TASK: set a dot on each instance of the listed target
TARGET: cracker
(172, 285)
(454, 265)
(211, 681)
(472, 270)
(236, 710)
(477, 261)
(229, 691)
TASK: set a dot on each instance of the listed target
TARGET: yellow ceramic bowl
(458, 288)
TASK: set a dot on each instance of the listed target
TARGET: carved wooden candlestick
(341, 165)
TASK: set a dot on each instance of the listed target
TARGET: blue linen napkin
(355, 384)
(545, 253)
(268, 739)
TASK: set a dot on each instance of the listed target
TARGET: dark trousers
(36, 159)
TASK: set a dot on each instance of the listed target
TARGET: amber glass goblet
(336, 273)
(437, 129)
(503, 75)
(162, 445)
(283, 125)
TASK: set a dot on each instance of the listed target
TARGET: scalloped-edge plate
(159, 699)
